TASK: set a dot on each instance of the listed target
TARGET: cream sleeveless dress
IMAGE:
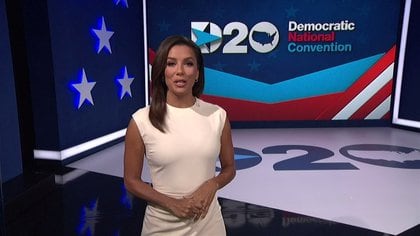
(180, 160)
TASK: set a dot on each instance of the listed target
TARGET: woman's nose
(179, 69)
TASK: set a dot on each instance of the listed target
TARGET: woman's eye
(190, 64)
(170, 63)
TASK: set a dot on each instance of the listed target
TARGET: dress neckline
(196, 103)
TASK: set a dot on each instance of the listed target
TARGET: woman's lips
(180, 83)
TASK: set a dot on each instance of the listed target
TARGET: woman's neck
(180, 102)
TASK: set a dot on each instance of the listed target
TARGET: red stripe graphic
(303, 109)
(316, 108)
(373, 103)
(358, 86)
(387, 116)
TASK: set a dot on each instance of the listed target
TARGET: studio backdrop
(270, 61)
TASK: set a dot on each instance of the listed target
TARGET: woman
(181, 137)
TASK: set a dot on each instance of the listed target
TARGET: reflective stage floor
(311, 181)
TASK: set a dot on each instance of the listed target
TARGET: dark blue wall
(61, 43)
(10, 147)
(410, 87)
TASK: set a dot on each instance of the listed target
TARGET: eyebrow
(187, 58)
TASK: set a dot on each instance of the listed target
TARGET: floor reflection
(248, 219)
(77, 202)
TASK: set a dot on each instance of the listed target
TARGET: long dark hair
(157, 110)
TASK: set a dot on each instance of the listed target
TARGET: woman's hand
(203, 197)
(184, 208)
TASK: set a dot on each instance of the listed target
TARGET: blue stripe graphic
(328, 81)
(241, 157)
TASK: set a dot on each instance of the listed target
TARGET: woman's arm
(227, 161)
(204, 195)
(133, 166)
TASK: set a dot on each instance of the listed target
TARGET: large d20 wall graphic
(275, 61)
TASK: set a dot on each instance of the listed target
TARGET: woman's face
(181, 71)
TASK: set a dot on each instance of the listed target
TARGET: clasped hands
(196, 205)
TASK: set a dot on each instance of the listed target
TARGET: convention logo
(318, 37)
(262, 38)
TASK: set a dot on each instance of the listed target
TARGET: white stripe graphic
(365, 94)
(72, 151)
(381, 110)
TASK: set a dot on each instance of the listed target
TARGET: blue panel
(77, 47)
(10, 149)
(410, 96)
(100, 42)
(40, 67)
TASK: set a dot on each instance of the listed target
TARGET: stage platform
(289, 181)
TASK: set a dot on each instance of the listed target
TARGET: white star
(104, 36)
(85, 89)
(124, 2)
(125, 84)
(89, 218)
